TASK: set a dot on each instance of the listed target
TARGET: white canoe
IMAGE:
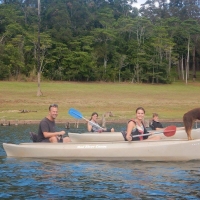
(163, 150)
(96, 137)
(117, 136)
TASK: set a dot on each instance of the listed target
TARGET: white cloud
(138, 4)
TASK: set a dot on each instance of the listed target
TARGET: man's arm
(48, 131)
(51, 134)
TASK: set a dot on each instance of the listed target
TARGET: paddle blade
(169, 131)
(75, 113)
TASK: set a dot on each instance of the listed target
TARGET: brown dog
(189, 118)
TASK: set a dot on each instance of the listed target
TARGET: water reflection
(55, 179)
(44, 179)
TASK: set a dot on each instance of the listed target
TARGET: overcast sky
(139, 2)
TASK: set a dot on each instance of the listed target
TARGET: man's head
(53, 111)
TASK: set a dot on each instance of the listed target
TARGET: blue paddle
(77, 115)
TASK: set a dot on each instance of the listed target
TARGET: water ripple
(50, 179)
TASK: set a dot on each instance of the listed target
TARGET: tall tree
(191, 29)
(39, 67)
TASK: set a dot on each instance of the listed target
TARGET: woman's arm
(130, 127)
(89, 127)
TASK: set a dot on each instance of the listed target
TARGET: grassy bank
(170, 101)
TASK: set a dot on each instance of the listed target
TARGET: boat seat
(33, 136)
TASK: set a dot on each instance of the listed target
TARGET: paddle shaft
(148, 134)
(92, 123)
(142, 135)
(76, 114)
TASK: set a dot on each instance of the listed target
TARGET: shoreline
(81, 121)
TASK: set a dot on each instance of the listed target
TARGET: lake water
(50, 179)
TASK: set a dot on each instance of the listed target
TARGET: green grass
(170, 101)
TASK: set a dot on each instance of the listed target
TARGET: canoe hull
(181, 134)
(171, 150)
(96, 137)
(117, 136)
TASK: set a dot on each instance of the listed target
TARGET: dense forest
(100, 40)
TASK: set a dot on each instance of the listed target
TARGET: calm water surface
(50, 179)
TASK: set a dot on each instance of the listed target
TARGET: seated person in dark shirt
(155, 124)
(47, 128)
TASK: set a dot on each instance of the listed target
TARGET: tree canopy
(100, 40)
